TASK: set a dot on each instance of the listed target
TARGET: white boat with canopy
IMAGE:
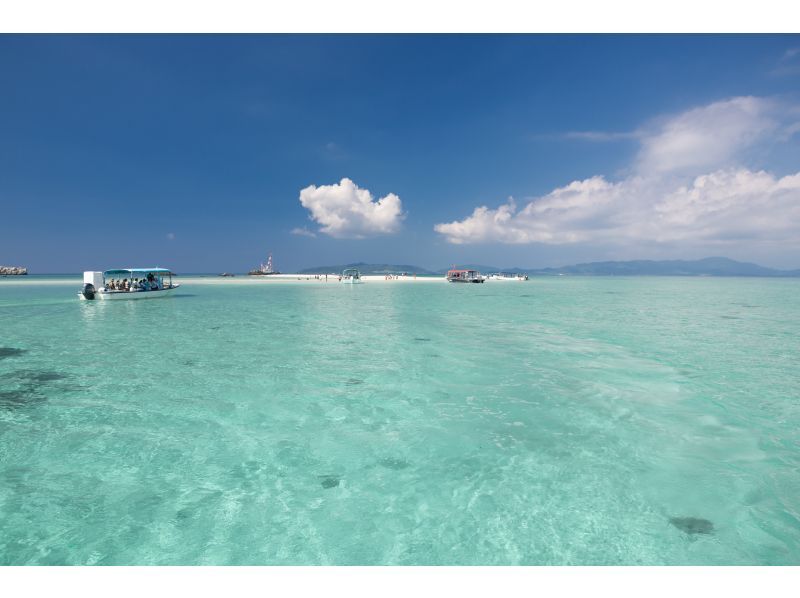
(351, 276)
(127, 283)
(456, 275)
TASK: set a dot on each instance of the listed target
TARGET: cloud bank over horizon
(345, 211)
(689, 183)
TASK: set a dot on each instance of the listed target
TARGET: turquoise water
(558, 421)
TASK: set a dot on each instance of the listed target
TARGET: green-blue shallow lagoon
(557, 421)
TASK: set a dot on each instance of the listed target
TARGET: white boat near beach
(127, 283)
(505, 276)
(456, 275)
(351, 276)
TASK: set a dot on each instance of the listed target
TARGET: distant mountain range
(710, 266)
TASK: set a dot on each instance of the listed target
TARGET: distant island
(710, 266)
(369, 269)
(13, 271)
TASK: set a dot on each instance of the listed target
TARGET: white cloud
(731, 206)
(706, 137)
(685, 188)
(303, 232)
(344, 210)
(581, 211)
(726, 206)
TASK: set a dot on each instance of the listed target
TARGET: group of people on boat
(135, 284)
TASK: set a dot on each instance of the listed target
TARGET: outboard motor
(88, 291)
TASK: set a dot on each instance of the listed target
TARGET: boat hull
(131, 295)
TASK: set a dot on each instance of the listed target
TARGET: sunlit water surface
(557, 421)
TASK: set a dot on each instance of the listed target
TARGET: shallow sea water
(559, 421)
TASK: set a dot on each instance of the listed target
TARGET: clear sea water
(559, 421)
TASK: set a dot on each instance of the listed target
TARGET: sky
(204, 153)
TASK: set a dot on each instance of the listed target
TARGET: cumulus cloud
(726, 206)
(707, 137)
(344, 210)
(560, 217)
(731, 206)
(685, 187)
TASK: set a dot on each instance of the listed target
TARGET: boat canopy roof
(347, 271)
(138, 271)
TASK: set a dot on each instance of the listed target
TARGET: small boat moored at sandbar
(464, 276)
(264, 269)
(127, 283)
(505, 276)
(351, 276)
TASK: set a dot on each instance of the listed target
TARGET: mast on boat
(265, 268)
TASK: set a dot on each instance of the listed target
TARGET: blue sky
(203, 153)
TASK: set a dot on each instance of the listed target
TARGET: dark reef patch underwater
(692, 525)
(15, 399)
(329, 481)
(10, 352)
(36, 375)
(30, 384)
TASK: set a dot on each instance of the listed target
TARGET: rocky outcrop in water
(12, 271)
